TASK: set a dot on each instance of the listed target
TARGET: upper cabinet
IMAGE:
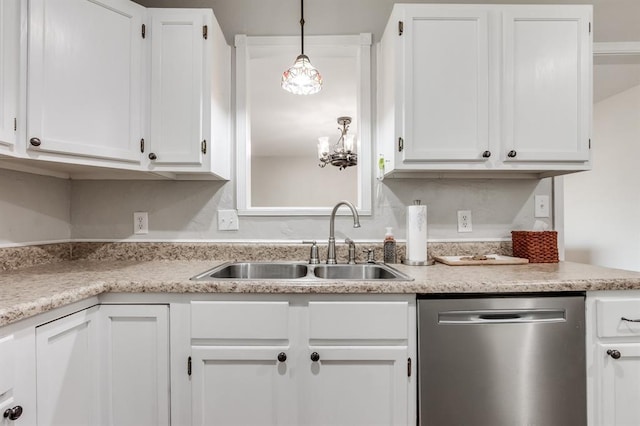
(546, 85)
(9, 68)
(85, 79)
(113, 89)
(190, 83)
(485, 89)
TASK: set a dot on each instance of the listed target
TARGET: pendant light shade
(302, 78)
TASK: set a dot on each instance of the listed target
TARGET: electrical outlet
(464, 221)
(541, 206)
(140, 223)
(227, 220)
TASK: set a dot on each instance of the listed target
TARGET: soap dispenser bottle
(389, 247)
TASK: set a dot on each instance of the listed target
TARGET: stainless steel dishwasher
(502, 360)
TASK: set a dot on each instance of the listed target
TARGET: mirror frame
(361, 45)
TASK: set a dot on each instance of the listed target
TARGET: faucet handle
(352, 251)
(371, 256)
(314, 258)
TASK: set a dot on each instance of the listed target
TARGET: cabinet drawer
(7, 359)
(358, 320)
(240, 320)
(610, 314)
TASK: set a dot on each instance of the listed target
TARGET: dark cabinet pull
(35, 141)
(486, 154)
(13, 413)
(152, 156)
(613, 353)
(315, 357)
(512, 154)
(282, 357)
(630, 320)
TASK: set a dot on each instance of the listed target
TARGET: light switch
(228, 220)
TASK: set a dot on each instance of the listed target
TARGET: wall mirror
(277, 132)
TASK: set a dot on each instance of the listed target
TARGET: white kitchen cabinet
(613, 358)
(302, 360)
(546, 85)
(243, 385)
(68, 370)
(241, 362)
(490, 90)
(349, 385)
(445, 83)
(190, 80)
(9, 73)
(85, 81)
(356, 364)
(17, 375)
(134, 368)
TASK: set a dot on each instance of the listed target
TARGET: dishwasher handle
(502, 316)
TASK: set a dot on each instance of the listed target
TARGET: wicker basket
(537, 246)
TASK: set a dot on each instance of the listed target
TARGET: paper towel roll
(417, 233)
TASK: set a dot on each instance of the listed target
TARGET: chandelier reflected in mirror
(342, 154)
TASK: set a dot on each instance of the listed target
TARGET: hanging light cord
(302, 27)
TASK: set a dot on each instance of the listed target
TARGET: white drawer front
(610, 314)
(240, 320)
(358, 320)
(7, 360)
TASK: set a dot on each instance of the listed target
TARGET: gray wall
(187, 210)
(33, 208)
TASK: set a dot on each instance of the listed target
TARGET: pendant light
(302, 78)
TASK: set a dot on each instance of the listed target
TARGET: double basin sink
(301, 272)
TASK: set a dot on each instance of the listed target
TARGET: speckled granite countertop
(30, 291)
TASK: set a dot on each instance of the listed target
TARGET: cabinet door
(9, 66)
(355, 386)
(242, 386)
(84, 78)
(17, 376)
(446, 84)
(67, 370)
(135, 365)
(618, 392)
(546, 83)
(178, 104)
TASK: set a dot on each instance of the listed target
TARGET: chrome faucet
(331, 254)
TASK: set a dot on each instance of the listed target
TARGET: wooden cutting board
(492, 259)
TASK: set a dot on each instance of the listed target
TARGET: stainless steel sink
(359, 272)
(255, 271)
(287, 271)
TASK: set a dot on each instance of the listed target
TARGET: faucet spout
(331, 254)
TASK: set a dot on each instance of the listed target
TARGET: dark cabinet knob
(615, 354)
(152, 156)
(35, 141)
(315, 357)
(282, 357)
(13, 413)
(486, 154)
(512, 154)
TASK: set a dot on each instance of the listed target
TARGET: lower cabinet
(67, 370)
(298, 360)
(105, 365)
(222, 359)
(17, 376)
(613, 357)
(134, 364)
